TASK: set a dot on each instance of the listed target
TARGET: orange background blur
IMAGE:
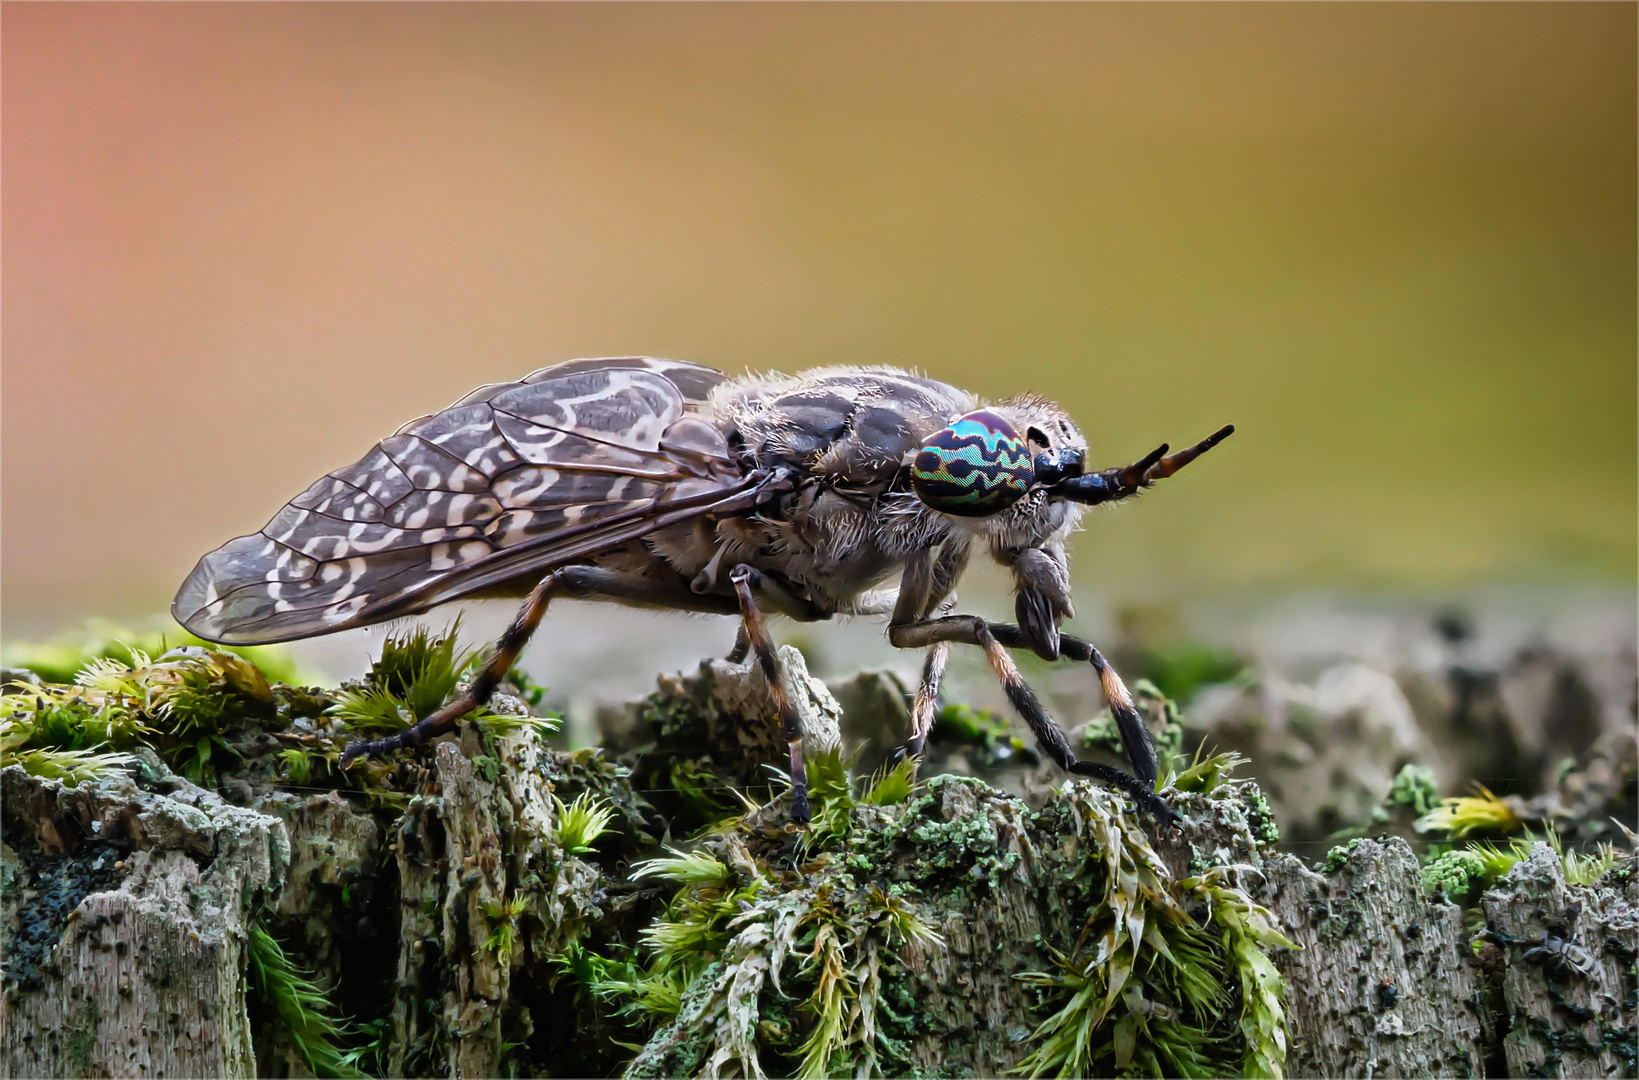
(1394, 243)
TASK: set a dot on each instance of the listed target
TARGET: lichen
(80, 1037)
(1414, 788)
(1261, 817)
(1337, 858)
(1458, 875)
(51, 888)
(752, 947)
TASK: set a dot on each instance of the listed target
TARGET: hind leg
(574, 582)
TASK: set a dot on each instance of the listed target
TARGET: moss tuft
(1480, 812)
(1337, 858)
(304, 1013)
(1148, 989)
(62, 658)
(185, 704)
(1415, 789)
(990, 734)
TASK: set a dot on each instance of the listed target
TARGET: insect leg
(916, 587)
(1135, 734)
(927, 698)
(745, 579)
(579, 582)
(742, 646)
(972, 630)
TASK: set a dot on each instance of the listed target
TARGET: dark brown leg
(583, 582)
(992, 637)
(927, 698)
(745, 580)
(742, 646)
(1135, 734)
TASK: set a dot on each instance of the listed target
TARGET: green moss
(1260, 817)
(670, 715)
(742, 966)
(966, 846)
(416, 674)
(1179, 672)
(580, 823)
(527, 688)
(62, 658)
(80, 1037)
(185, 704)
(891, 786)
(1337, 858)
(1415, 789)
(991, 734)
(304, 1014)
(1146, 988)
(1459, 875)
(1481, 812)
(698, 784)
(1208, 772)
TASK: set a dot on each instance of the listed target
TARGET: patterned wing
(512, 479)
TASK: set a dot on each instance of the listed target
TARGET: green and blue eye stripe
(976, 466)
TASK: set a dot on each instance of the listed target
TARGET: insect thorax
(849, 437)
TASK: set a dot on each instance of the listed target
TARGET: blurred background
(1394, 244)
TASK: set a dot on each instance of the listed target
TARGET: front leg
(571, 582)
(992, 637)
(1041, 582)
(927, 698)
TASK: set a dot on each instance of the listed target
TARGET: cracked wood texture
(146, 978)
(139, 967)
(1385, 984)
(1567, 1019)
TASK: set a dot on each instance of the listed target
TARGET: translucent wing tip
(228, 598)
(198, 604)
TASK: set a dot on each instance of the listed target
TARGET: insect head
(980, 465)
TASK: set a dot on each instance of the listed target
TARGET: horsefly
(664, 484)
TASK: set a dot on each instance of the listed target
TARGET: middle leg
(927, 698)
(746, 579)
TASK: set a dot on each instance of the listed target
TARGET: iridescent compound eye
(975, 467)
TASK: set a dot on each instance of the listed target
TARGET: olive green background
(1395, 244)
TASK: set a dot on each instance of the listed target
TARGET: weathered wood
(146, 979)
(1385, 983)
(1570, 1007)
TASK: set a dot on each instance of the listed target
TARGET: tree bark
(135, 901)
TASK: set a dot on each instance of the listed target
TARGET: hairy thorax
(850, 521)
(841, 435)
